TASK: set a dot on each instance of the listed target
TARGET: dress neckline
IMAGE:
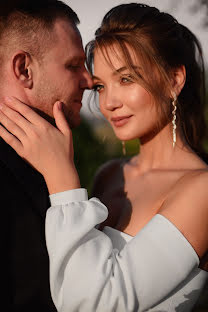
(119, 232)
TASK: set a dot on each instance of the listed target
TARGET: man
(42, 61)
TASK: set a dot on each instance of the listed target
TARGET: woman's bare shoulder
(106, 174)
(187, 208)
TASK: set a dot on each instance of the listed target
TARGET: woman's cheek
(102, 108)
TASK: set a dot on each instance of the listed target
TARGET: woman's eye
(126, 79)
(97, 87)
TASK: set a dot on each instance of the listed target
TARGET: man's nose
(86, 80)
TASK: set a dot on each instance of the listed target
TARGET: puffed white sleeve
(88, 275)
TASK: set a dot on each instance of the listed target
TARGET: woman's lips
(120, 121)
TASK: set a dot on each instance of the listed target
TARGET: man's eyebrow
(76, 59)
(117, 71)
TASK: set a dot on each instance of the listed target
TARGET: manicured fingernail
(60, 106)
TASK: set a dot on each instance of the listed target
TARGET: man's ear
(21, 66)
(178, 79)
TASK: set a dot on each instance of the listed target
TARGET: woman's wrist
(60, 180)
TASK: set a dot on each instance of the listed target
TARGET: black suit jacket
(25, 264)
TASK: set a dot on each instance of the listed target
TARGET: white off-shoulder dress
(110, 271)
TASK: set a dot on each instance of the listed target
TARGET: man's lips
(120, 121)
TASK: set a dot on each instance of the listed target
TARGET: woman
(150, 87)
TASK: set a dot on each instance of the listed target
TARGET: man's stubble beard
(44, 99)
(68, 113)
(68, 116)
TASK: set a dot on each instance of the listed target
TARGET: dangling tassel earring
(174, 118)
(123, 148)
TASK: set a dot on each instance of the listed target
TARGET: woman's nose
(112, 101)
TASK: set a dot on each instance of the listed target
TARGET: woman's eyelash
(124, 79)
(127, 78)
(97, 87)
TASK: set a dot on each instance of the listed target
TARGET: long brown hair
(162, 45)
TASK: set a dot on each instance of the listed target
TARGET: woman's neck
(158, 152)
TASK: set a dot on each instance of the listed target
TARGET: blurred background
(94, 141)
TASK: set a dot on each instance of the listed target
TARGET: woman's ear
(178, 79)
(21, 66)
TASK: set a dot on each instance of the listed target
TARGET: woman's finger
(24, 110)
(16, 117)
(11, 140)
(60, 119)
(11, 126)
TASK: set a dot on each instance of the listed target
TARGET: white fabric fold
(63, 197)
(88, 275)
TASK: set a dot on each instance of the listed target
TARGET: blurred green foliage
(93, 147)
(89, 153)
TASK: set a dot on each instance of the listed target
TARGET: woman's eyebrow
(118, 71)
(95, 78)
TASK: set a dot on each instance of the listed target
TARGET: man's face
(62, 74)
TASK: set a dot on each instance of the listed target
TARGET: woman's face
(128, 107)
